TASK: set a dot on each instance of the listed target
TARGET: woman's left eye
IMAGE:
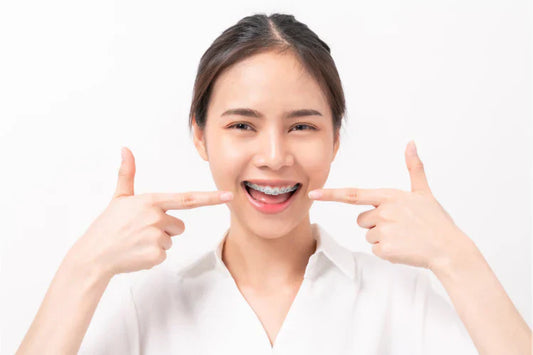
(304, 125)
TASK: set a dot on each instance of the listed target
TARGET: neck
(266, 262)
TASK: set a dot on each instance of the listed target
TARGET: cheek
(225, 163)
(316, 161)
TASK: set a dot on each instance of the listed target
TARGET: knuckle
(180, 228)
(162, 255)
(381, 213)
(154, 217)
(352, 196)
(164, 241)
(168, 243)
(391, 194)
(149, 198)
(187, 199)
(378, 229)
(161, 235)
(384, 229)
(172, 225)
(122, 171)
(144, 199)
(156, 253)
(418, 165)
(368, 236)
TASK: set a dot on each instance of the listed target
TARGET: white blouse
(348, 303)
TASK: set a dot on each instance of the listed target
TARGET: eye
(241, 127)
(240, 124)
(305, 125)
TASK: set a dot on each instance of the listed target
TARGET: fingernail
(314, 194)
(123, 153)
(226, 196)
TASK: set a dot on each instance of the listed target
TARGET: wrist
(463, 255)
(77, 263)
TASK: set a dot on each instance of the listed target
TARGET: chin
(270, 227)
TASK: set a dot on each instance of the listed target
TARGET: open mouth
(267, 202)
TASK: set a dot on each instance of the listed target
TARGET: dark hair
(261, 33)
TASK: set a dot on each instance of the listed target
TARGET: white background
(80, 80)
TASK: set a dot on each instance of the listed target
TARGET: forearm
(66, 311)
(491, 319)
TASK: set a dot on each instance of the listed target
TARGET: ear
(199, 140)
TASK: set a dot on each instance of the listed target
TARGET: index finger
(356, 196)
(189, 199)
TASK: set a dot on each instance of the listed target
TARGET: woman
(266, 114)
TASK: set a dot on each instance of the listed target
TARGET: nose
(273, 151)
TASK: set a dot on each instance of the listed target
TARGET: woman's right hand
(134, 232)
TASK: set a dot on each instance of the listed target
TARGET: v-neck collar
(339, 256)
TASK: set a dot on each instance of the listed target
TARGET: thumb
(415, 166)
(126, 174)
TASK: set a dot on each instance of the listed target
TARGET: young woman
(266, 114)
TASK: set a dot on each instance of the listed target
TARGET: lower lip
(267, 207)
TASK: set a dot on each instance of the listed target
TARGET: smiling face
(263, 141)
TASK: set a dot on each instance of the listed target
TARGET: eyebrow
(253, 113)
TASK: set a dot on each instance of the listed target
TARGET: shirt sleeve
(443, 331)
(114, 327)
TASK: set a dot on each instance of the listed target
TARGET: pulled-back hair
(261, 33)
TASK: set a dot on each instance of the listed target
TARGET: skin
(131, 234)
(412, 228)
(265, 251)
(262, 252)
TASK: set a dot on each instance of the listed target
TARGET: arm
(493, 322)
(66, 311)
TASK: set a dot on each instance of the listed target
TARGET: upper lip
(273, 183)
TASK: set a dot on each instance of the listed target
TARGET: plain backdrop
(79, 80)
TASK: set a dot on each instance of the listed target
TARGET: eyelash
(300, 124)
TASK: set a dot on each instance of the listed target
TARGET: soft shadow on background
(80, 80)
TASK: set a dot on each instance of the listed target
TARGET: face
(265, 142)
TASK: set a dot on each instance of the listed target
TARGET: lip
(267, 207)
(273, 183)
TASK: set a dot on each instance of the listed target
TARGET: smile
(268, 199)
(269, 190)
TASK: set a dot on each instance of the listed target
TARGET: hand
(405, 227)
(133, 232)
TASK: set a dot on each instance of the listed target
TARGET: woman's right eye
(238, 125)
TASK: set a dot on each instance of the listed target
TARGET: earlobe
(199, 140)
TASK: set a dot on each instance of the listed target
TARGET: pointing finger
(187, 200)
(354, 196)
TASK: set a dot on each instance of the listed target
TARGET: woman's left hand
(405, 227)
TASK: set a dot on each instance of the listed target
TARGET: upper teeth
(272, 190)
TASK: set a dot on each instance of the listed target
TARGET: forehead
(267, 81)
